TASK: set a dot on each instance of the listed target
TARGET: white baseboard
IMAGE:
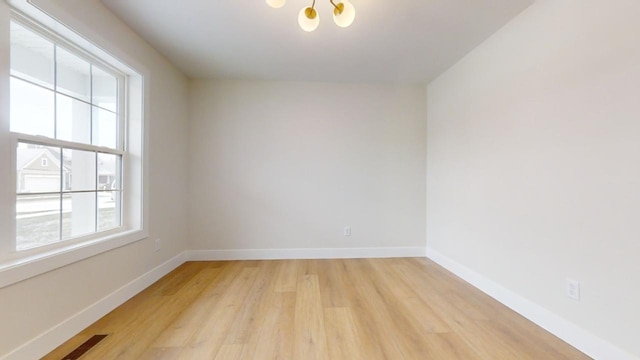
(574, 335)
(52, 338)
(326, 253)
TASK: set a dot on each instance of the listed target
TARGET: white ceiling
(390, 41)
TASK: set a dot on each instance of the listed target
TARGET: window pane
(105, 89)
(105, 128)
(81, 167)
(108, 172)
(108, 210)
(79, 214)
(37, 220)
(31, 56)
(37, 168)
(31, 109)
(74, 75)
(73, 120)
(108, 199)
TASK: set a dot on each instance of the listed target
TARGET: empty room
(320, 179)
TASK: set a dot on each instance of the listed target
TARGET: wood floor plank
(275, 340)
(133, 343)
(287, 277)
(207, 340)
(309, 334)
(229, 351)
(168, 353)
(178, 333)
(417, 339)
(342, 334)
(191, 320)
(177, 281)
(316, 309)
(140, 309)
(437, 297)
(332, 279)
(405, 298)
(245, 327)
(473, 315)
(378, 331)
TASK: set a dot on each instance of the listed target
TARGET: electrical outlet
(347, 231)
(573, 289)
(156, 245)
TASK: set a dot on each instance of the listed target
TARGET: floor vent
(82, 349)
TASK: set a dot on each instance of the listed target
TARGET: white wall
(534, 162)
(31, 307)
(278, 165)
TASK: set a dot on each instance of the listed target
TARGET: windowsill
(15, 270)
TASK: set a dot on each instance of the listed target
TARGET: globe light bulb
(344, 15)
(308, 19)
(276, 3)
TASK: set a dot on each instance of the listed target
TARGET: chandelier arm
(313, 4)
(334, 4)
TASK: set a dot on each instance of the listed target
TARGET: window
(72, 127)
(67, 118)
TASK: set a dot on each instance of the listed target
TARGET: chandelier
(343, 14)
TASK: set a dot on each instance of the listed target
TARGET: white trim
(47, 141)
(52, 338)
(574, 335)
(322, 253)
(56, 19)
(25, 267)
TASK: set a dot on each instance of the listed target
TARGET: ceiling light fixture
(343, 14)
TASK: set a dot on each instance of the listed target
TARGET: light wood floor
(316, 309)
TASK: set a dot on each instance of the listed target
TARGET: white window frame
(17, 266)
(121, 141)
